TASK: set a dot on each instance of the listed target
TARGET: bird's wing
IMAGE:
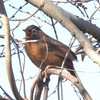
(59, 49)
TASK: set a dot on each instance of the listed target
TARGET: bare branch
(46, 88)
(8, 52)
(75, 27)
(32, 88)
(72, 79)
(25, 18)
(39, 89)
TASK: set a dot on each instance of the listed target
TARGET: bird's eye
(34, 31)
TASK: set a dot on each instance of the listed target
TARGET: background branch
(8, 52)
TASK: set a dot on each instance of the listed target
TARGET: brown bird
(46, 50)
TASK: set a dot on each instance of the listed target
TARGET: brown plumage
(47, 51)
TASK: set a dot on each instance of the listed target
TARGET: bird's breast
(36, 51)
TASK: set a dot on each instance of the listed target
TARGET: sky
(88, 71)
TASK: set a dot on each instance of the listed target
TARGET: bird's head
(33, 32)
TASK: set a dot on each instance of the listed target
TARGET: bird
(45, 50)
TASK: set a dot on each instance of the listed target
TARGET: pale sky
(88, 71)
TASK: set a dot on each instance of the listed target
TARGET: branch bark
(74, 24)
(72, 79)
(33, 88)
(39, 89)
(38, 84)
(9, 70)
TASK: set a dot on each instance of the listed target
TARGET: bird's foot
(98, 51)
(45, 71)
(50, 66)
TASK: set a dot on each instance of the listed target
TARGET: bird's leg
(47, 69)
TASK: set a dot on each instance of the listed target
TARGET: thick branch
(70, 22)
(60, 14)
(32, 88)
(8, 52)
(72, 79)
(39, 89)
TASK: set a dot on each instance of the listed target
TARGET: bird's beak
(26, 37)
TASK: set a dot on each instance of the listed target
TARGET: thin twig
(54, 28)
(17, 48)
(26, 17)
(59, 79)
(6, 93)
(22, 72)
(94, 13)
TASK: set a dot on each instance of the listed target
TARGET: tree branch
(8, 52)
(32, 88)
(39, 89)
(74, 25)
(38, 84)
(72, 79)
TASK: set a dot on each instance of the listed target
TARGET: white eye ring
(34, 31)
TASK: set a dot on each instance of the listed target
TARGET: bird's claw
(45, 71)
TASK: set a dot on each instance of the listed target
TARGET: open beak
(26, 37)
(27, 32)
